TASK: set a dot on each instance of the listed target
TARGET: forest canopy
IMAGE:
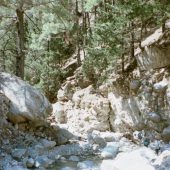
(37, 37)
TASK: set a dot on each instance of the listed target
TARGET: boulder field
(89, 127)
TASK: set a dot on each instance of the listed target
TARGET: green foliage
(90, 4)
(55, 30)
(45, 73)
(113, 29)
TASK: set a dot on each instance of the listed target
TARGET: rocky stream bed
(124, 124)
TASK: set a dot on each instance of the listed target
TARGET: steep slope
(135, 100)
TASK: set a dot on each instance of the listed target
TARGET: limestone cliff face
(155, 50)
(125, 103)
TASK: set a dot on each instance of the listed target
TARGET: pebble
(30, 163)
(74, 158)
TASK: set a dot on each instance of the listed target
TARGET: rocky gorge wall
(139, 100)
(32, 138)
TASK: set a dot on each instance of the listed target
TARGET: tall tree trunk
(78, 35)
(95, 13)
(2, 62)
(123, 54)
(3, 59)
(141, 33)
(123, 62)
(20, 59)
(163, 24)
(89, 24)
(132, 45)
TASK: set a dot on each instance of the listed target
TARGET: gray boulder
(86, 164)
(165, 147)
(74, 158)
(63, 136)
(163, 161)
(30, 163)
(48, 144)
(27, 103)
(99, 140)
(108, 136)
(110, 151)
(160, 87)
(18, 153)
(154, 117)
(58, 112)
(43, 161)
(166, 133)
(134, 85)
(96, 139)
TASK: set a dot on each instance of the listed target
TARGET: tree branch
(32, 22)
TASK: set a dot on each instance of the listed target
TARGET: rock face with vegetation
(104, 67)
(138, 100)
(156, 45)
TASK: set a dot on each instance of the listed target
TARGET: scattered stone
(96, 139)
(57, 157)
(154, 117)
(156, 146)
(166, 133)
(160, 87)
(81, 148)
(99, 140)
(134, 85)
(163, 161)
(39, 149)
(18, 153)
(48, 144)
(165, 147)
(108, 136)
(74, 158)
(86, 164)
(30, 163)
(43, 161)
(62, 158)
(110, 151)
(63, 136)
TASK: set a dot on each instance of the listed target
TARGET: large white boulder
(90, 112)
(126, 113)
(139, 159)
(27, 103)
(163, 161)
(58, 112)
